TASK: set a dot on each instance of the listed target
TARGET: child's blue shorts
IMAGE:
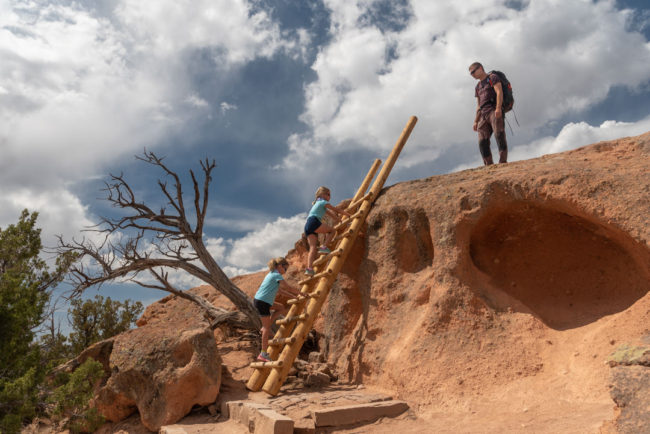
(312, 224)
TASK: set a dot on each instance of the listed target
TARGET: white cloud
(273, 239)
(371, 81)
(60, 212)
(234, 31)
(225, 107)
(217, 248)
(80, 91)
(251, 252)
(197, 101)
(575, 135)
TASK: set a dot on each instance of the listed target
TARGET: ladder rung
(343, 235)
(323, 259)
(316, 276)
(282, 341)
(301, 317)
(259, 365)
(349, 220)
(303, 297)
(359, 201)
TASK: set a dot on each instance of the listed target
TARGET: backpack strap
(489, 79)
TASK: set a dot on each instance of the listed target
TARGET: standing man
(489, 113)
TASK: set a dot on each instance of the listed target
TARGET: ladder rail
(303, 312)
(277, 376)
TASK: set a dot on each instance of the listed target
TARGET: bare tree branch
(146, 240)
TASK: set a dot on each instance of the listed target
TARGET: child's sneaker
(325, 250)
(309, 271)
(264, 357)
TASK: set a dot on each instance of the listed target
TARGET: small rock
(317, 379)
(300, 364)
(323, 369)
(316, 357)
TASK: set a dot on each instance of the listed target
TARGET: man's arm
(499, 90)
(478, 115)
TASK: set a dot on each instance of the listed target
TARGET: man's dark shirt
(487, 96)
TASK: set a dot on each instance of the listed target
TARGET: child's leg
(313, 244)
(278, 309)
(266, 329)
(328, 231)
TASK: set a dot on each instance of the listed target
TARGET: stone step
(353, 414)
(259, 418)
(263, 419)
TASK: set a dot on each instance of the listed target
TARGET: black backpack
(508, 99)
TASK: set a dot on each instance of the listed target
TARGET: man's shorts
(311, 225)
(262, 307)
(489, 124)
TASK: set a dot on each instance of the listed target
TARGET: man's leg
(503, 146)
(484, 130)
(499, 127)
(486, 153)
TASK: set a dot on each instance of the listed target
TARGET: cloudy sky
(289, 95)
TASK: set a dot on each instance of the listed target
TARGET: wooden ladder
(286, 344)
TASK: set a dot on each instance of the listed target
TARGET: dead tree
(150, 243)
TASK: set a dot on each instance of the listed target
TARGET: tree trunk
(224, 285)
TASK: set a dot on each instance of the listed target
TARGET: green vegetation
(70, 399)
(98, 319)
(25, 290)
(26, 286)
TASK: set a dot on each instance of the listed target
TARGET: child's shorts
(312, 224)
(262, 307)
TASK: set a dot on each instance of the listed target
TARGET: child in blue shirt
(315, 225)
(264, 300)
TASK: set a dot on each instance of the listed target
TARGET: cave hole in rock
(311, 344)
(567, 269)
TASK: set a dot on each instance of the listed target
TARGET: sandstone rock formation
(507, 285)
(489, 299)
(157, 370)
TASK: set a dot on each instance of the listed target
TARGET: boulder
(160, 372)
(317, 379)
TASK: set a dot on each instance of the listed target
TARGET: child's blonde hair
(321, 191)
(273, 263)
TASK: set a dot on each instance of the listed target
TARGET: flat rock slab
(352, 414)
(259, 418)
(298, 406)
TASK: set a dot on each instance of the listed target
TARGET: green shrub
(70, 400)
(18, 400)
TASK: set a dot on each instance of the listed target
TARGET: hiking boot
(324, 250)
(309, 271)
(264, 357)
